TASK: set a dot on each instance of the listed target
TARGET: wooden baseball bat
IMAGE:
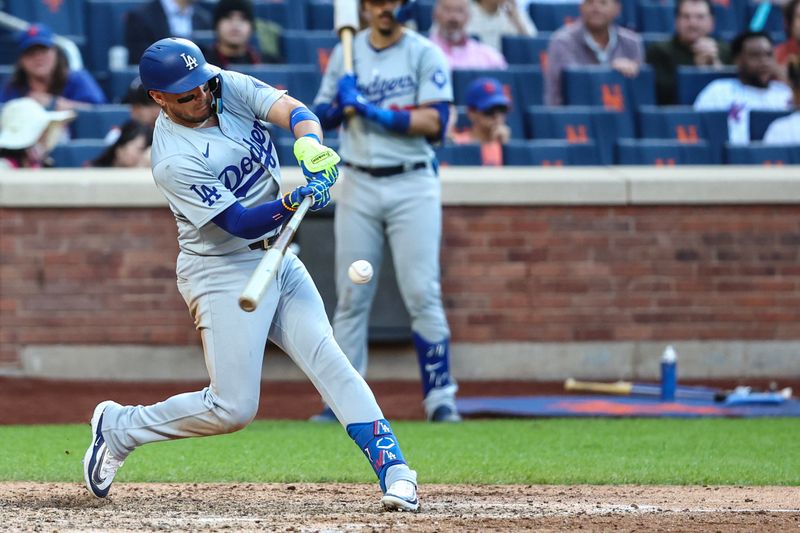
(345, 21)
(267, 269)
(626, 388)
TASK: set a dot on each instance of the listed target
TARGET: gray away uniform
(404, 208)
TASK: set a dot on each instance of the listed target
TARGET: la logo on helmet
(190, 61)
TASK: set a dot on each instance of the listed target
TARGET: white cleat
(401, 496)
(99, 465)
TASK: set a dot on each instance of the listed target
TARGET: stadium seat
(729, 18)
(774, 23)
(63, 17)
(607, 88)
(306, 46)
(691, 80)
(302, 81)
(8, 47)
(628, 16)
(685, 125)
(760, 121)
(550, 16)
(105, 27)
(760, 154)
(523, 84)
(5, 74)
(459, 155)
(662, 152)
(523, 50)
(581, 125)
(76, 153)
(118, 82)
(288, 14)
(655, 16)
(549, 153)
(649, 38)
(95, 122)
(319, 15)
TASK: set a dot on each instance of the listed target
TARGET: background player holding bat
(400, 92)
(214, 161)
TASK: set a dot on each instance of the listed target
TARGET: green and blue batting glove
(313, 157)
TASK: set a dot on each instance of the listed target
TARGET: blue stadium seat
(550, 16)
(76, 153)
(307, 46)
(760, 121)
(8, 47)
(691, 80)
(302, 81)
(774, 23)
(288, 14)
(684, 124)
(729, 18)
(628, 16)
(95, 122)
(602, 86)
(523, 84)
(64, 17)
(581, 125)
(760, 154)
(523, 50)
(5, 74)
(655, 16)
(662, 152)
(119, 81)
(459, 154)
(105, 27)
(549, 153)
(319, 14)
(649, 38)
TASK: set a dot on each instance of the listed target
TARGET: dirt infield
(337, 507)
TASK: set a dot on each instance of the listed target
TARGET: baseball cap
(486, 93)
(36, 34)
(24, 120)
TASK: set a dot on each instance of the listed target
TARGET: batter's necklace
(202, 123)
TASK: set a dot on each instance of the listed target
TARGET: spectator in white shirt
(754, 88)
(491, 19)
(786, 130)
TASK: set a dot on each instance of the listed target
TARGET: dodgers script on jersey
(203, 171)
(405, 75)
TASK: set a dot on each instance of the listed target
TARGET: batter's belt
(385, 172)
(263, 244)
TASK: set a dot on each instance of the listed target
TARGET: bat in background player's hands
(317, 189)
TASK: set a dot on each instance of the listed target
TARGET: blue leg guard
(379, 444)
(434, 362)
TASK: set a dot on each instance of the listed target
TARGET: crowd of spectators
(761, 74)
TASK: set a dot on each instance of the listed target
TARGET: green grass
(563, 451)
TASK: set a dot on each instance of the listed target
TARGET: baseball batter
(400, 91)
(215, 162)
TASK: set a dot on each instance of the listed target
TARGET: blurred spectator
(162, 18)
(692, 44)
(450, 19)
(754, 88)
(786, 130)
(594, 39)
(143, 108)
(487, 109)
(42, 73)
(234, 23)
(489, 20)
(131, 148)
(28, 132)
(791, 21)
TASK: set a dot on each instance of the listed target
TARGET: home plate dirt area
(339, 507)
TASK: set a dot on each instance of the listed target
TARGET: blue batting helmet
(405, 12)
(174, 65)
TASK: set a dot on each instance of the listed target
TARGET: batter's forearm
(253, 222)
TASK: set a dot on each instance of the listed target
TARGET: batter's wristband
(299, 114)
(285, 205)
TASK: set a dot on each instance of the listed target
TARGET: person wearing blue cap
(42, 73)
(487, 110)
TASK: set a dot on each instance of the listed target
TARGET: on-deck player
(401, 92)
(215, 162)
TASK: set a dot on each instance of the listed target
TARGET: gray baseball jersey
(203, 171)
(406, 75)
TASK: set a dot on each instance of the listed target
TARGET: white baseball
(360, 271)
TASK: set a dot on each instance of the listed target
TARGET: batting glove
(348, 94)
(328, 176)
(315, 188)
(315, 157)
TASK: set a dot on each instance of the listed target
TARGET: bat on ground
(267, 269)
(627, 388)
(345, 21)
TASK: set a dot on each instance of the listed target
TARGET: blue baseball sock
(379, 444)
(434, 362)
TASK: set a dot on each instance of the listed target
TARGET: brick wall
(106, 276)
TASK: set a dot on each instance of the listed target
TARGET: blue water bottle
(669, 374)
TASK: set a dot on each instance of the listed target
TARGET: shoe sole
(393, 503)
(87, 457)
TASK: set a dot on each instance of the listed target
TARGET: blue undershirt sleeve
(253, 222)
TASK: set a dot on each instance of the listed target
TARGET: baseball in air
(360, 272)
